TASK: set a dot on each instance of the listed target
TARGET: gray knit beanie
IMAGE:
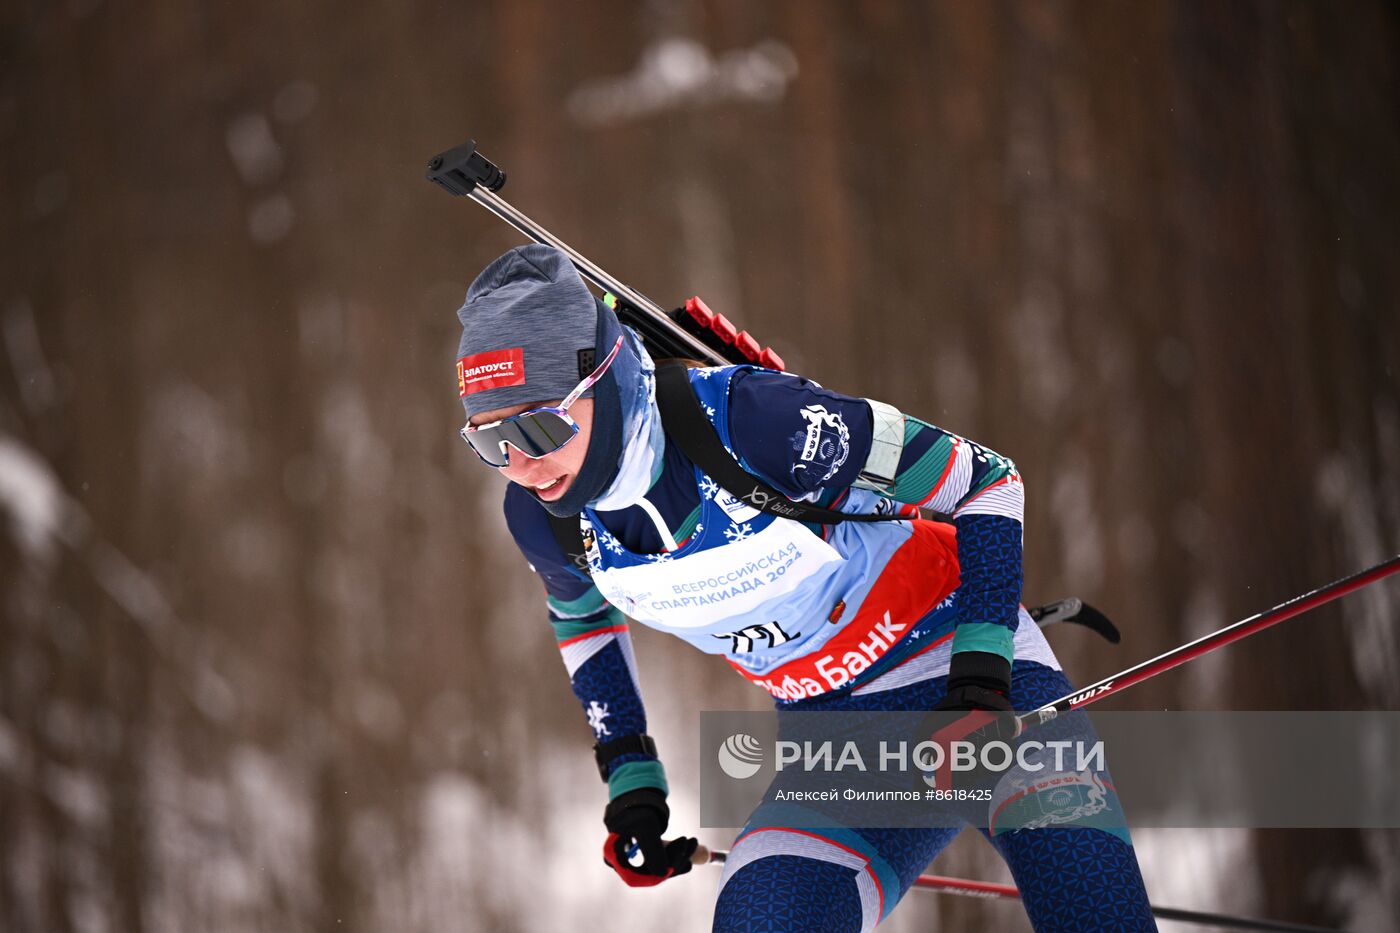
(531, 331)
(528, 330)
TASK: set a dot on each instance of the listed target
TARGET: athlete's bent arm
(597, 651)
(595, 645)
(810, 442)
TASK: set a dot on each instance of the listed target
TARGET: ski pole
(1073, 609)
(970, 888)
(1208, 643)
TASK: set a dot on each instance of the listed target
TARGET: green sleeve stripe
(687, 527)
(585, 605)
(984, 636)
(635, 775)
(565, 630)
(915, 483)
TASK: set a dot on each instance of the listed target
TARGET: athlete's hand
(979, 687)
(639, 817)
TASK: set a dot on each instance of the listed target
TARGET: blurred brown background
(269, 661)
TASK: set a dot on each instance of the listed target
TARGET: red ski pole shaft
(969, 888)
(1208, 643)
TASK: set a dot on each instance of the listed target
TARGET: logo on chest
(737, 510)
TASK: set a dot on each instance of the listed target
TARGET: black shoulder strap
(686, 424)
(570, 538)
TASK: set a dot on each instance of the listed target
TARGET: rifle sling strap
(686, 424)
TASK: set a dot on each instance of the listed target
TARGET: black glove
(979, 684)
(978, 680)
(640, 816)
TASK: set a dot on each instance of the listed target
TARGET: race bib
(718, 583)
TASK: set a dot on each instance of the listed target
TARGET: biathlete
(893, 615)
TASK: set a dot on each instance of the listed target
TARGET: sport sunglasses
(535, 433)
